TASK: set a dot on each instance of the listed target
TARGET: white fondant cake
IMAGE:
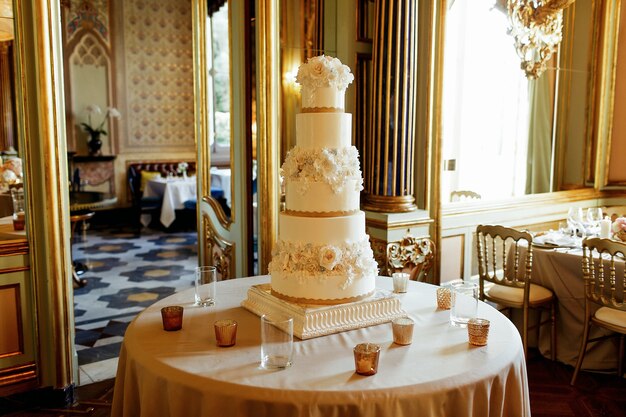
(323, 255)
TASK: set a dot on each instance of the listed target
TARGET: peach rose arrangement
(619, 229)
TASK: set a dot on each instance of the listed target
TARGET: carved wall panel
(219, 252)
(88, 14)
(159, 74)
(89, 52)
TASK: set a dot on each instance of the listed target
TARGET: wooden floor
(595, 395)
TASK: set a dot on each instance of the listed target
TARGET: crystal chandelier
(536, 27)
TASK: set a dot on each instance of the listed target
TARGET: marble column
(388, 151)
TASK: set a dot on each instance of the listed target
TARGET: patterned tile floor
(126, 273)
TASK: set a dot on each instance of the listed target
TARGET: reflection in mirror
(499, 128)
(489, 107)
(11, 179)
(218, 103)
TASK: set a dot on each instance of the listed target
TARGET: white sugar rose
(330, 256)
(318, 70)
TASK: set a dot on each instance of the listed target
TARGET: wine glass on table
(575, 220)
(594, 215)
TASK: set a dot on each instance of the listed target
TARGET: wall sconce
(289, 80)
(536, 26)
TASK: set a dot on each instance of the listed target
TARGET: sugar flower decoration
(324, 71)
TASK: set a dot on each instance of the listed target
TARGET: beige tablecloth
(561, 271)
(184, 374)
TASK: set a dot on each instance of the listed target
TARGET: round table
(183, 373)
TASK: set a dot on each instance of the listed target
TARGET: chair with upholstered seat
(504, 268)
(413, 255)
(605, 292)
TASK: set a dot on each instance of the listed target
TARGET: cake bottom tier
(309, 273)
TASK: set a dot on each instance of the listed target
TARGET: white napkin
(556, 239)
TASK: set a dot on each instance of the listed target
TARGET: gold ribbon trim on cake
(299, 300)
(322, 110)
(319, 213)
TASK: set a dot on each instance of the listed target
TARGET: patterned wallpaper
(159, 73)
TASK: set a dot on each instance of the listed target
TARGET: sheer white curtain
(485, 104)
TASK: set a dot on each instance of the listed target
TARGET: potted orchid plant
(96, 130)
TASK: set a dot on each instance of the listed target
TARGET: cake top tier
(324, 80)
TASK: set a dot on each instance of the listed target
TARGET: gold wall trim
(218, 252)
(18, 374)
(12, 248)
(268, 125)
(16, 269)
(43, 133)
(219, 213)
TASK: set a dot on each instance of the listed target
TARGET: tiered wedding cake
(323, 255)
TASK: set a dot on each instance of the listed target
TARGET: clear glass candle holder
(366, 358)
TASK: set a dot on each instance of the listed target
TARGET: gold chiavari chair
(505, 261)
(606, 290)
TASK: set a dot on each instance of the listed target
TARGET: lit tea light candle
(400, 281)
(366, 358)
(402, 328)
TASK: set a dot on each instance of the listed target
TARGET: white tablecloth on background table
(174, 192)
(220, 178)
(183, 373)
(560, 270)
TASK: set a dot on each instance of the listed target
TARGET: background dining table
(183, 373)
(174, 191)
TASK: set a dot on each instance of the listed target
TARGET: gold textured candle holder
(444, 298)
(478, 331)
(172, 317)
(366, 358)
(402, 330)
(225, 332)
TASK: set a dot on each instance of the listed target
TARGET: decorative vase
(95, 144)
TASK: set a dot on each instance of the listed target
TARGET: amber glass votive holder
(478, 331)
(402, 328)
(366, 358)
(172, 318)
(444, 298)
(225, 332)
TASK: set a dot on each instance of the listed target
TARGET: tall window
(486, 111)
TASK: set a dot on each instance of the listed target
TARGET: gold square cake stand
(311, 321)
